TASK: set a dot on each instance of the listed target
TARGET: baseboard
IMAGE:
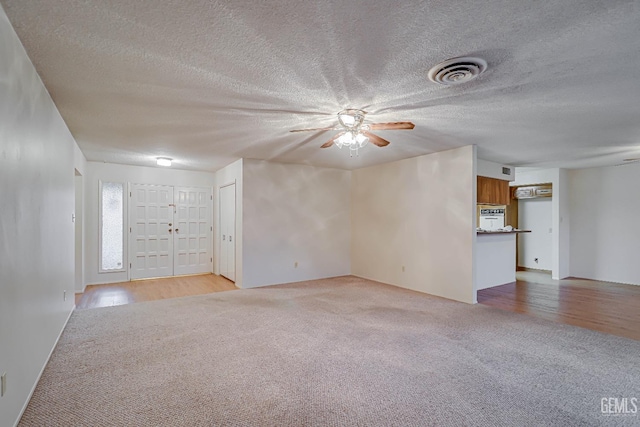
(537, 270)
(473, 300)
(46, 362)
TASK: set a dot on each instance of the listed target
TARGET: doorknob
(229, 238)
(169, 230)
(223, 237)
(176, 230)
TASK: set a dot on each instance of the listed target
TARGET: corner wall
(36, 229)
(419, 214)
(294, 214)
(605, 231)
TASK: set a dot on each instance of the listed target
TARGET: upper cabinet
(493, 191)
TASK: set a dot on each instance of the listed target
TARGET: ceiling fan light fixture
(351, 118)
(361, 140)
(353, 141)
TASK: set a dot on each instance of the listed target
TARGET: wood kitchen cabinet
(493, 191)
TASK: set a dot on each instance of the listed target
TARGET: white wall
(535, 215)
(79, 233)
(605, 225)
(36, 231)
(495, 260)
(494, 170)
(418, 213)
(109, 172)
(230, 174)
(560, 214)
(80, 166)
(294, 213)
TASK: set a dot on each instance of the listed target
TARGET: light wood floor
(149, 290)
(612, 308)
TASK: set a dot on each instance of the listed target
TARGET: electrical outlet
(535, 260)
(295, 264)
(3, 384)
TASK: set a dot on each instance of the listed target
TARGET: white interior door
(192, 233)
(151, 231)
(227, 231)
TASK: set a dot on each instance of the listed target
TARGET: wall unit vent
(506, 171)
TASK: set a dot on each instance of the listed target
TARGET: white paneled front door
(170, 230)
(151, 231)
(192, 234)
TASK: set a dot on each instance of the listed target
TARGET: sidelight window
(111, 226)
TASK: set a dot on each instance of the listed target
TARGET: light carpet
(335, 352)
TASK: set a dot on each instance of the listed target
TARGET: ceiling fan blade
(391, 126)
(376, 140)
(313, 129)
(329, 143)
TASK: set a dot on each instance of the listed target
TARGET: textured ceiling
(207, 82)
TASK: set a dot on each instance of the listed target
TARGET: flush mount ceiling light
(163, 161)
(455, 71)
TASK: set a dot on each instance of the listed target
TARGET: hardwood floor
(602, 306)
(149, 290)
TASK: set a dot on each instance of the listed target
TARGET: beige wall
(418, 213)
(605, 231)
(294, 213)
(36, 228)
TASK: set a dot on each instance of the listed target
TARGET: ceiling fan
(355, 134)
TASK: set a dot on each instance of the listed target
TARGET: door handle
(176, 230)
(169, 230)
(229, 238)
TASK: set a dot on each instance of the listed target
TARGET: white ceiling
(207, 82)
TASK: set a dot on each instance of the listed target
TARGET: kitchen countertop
(502, 232)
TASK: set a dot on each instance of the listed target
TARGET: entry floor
(612, 308)
(122, 293)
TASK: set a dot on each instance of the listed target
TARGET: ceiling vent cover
(455, 71)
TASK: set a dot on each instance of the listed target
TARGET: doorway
(170, 231)
(228, 231)
(535, 248)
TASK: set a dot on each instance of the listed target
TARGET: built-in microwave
(491, 218)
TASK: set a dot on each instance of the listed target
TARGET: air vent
(457, 70)
(506, 171)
